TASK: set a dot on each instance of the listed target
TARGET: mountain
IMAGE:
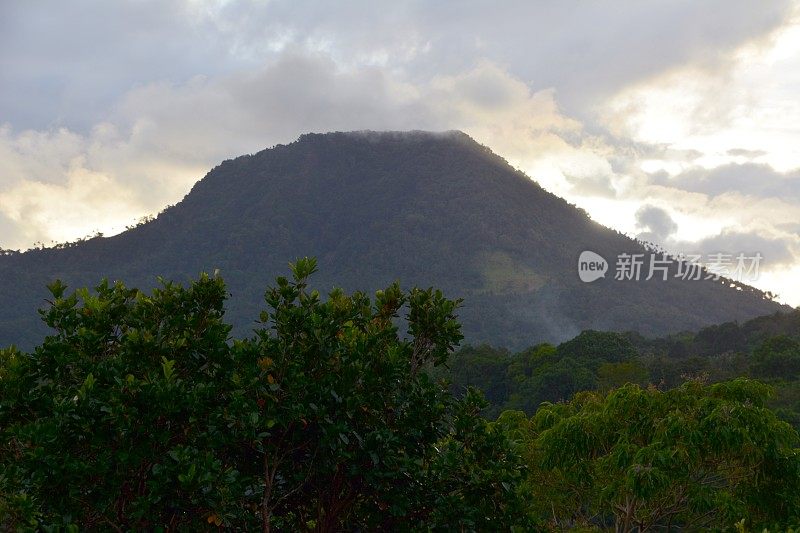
(423, 208)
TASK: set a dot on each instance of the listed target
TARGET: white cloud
(751, 105)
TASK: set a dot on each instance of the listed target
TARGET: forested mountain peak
(429, 209)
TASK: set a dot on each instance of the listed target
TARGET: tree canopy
(139, 412)
(639, 459)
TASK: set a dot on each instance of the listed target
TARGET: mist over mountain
(427, 209)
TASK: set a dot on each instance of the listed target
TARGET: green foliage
(477, 473)
(112, 422)
(766, 348)
(140, 413)
(614, 375)
(777, 357)
(698, 456)
(597, 347)
(481, 366)
(546, 373)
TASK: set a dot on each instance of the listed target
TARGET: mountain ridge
(429, 209)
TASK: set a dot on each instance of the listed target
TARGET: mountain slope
(423, 208)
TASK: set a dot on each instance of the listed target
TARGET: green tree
(614, 375)
(337, 408)
(597, 347)
(551, 381)
(483, 367)
(140, 413)
(115, 421)
(523, 364)
(777, 357)
(698, 456)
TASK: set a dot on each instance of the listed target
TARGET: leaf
(168, 367)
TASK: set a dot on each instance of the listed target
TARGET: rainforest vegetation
(140, 411)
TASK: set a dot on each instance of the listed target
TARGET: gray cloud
(743, 152)
(587, 52)
(775, 251)
(778, 249)
(656, 224)
(753, 179)
(64, 63)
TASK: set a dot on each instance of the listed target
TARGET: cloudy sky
(677, 121)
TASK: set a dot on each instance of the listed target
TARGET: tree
(336, 408)
(597, 347)
(777, 357)
(140, 413)
(698, 456)
(116, 420)
(614, 375)
(483, 367)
